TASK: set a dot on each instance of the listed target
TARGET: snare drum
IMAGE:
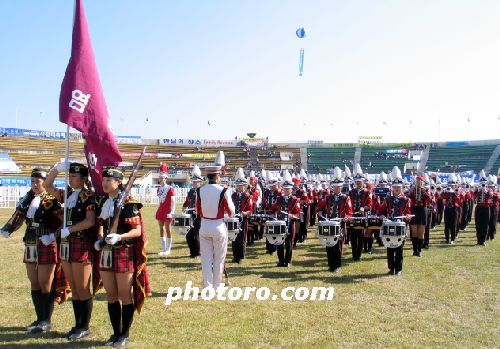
(358, 222)
(233, 227)
(182, 223)
(275, 232)
(393, 234)
(329, 233)
(374, 222)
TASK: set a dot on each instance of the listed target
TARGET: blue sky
(235, 63)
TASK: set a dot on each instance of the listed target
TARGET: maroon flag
(82, 104)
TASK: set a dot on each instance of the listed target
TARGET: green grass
(449, 299)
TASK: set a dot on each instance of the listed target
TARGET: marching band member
(429, 211)
(439, 201)
(269, 198)
(243, 207)
(419, 200)
(41, 212)
(451, 200)
(336, 205)
(165, 214)
(380, 192)
(395, 205)
(193, 235)
(492, 226)
(287, 208)
(484, 200)
(212, 202)
(300, 192)
(254, 191)
(77, 241)
(347, 182)
(123, 257)
(362, 203)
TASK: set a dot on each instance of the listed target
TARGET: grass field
(449, 299)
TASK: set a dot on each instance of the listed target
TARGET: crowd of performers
(360, 207)
(94, 248)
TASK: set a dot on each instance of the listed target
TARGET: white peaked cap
(426, 178)
(220, 158)
(263, 173)
(240, 174)
(321, 178)
(337, 174)
(358, 170)
(196, 172)
(382, 177)
(438, 180)
(303, 173)
(347, 171)
(482, 176)
(287, 176)
(252, 173)
(452, 178)
(396, 173)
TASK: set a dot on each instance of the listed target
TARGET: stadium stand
(460, 158)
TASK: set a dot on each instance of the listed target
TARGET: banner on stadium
(25, 182)
(255, 142)
(129, 139)
(198, 142)
(199, 156)
(20, 132)
(370, 139)
(396, 151)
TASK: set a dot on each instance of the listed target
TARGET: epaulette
(131, 200)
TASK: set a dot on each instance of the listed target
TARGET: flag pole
(66, 176)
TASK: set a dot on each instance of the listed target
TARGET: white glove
(113, 238)
(62, 166)
(47, 239)
(170, 216)
(5, 233)
(98, 245)
(65, 233)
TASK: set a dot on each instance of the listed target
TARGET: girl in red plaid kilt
(77, 241)
(41, 212)
(122, 261)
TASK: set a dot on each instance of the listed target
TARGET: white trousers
(213, 249)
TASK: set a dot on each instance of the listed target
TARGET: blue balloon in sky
(301, 32)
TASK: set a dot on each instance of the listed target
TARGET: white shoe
(167, 252)
(162, 253)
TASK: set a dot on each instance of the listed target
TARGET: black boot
(47, 306)
(78, 318)
(115, 316)
(420, 243)
(36, 298)
(85, 313)
(414, 244)
(127, 319)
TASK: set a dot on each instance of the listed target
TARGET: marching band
(93, 245)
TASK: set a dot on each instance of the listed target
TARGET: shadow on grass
(10, 337)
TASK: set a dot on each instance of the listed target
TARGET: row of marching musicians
(102, 243)
(352, 216)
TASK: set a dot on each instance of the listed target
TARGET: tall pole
(66, 176)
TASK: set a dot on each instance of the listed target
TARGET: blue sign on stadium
(25, 182)
(31, 133)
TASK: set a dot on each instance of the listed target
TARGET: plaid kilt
(46, 254)
(123, 260)
(81, 250)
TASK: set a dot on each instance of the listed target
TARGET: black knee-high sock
(370, 243)
(36, 298)
(78, 312)
(414, 244)
(115, 315)
(48, 305)
(420, 244)
(86, 312)
(128, 317)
